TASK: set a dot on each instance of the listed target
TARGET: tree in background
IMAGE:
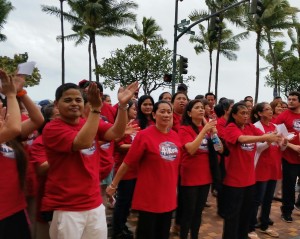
(96, 18)
(234, 16)
(11, 66)
(229, 44)
(295, 38)
(147, 33)
(5, 8)
(288, 67)
(128, 65)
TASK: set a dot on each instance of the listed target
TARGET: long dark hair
(235, 108)
(141, 117)
(21, 160)
(254, 113)
(186, 119)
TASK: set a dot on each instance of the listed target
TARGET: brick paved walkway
(212, 224)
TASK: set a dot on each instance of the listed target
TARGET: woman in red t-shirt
(126, 185)
(238, 185)
(155, 151)
(194, 167)
(13, 219)
(267, 168)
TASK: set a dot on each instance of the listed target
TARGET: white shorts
(79, 225)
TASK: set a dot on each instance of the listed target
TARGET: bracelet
(21, 93)
(112, 186)
(124, 108)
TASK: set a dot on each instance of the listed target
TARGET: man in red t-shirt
(72, 189)
(291, 156)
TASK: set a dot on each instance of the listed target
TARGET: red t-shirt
(268, 166)
(194, 169)
(37, 157)
(106, 154)
(73, 176)
(109, 112)
(292, 123)
(12, 198)
(119, 157)
(176, 121)
(221, 125)
(240, 162)
(157, 157)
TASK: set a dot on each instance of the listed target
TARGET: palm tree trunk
(217, 64)
(95, 56)
(275, 65)
(90, 59)
(210, 70)
(258, 38)
(62, 43)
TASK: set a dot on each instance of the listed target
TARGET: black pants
(264, 192)
(123, 203)
(178, 212)
(193, 204)
(153, 225)
(289, 177)
(238, 210)
(15, 227)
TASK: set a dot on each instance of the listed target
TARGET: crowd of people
(64, 161)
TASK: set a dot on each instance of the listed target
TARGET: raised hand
(93, 96)
(8, 86)
(125, 94)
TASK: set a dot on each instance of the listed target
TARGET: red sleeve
(136, 151)
(186, 135)
(103, 127)
(38, 152)
(232, 133)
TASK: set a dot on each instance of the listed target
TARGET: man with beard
(291, 159)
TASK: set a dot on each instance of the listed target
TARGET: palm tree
(233, 16)
(62, 42)
(5, 8)
(295, 39)
(277, 16)
(96, 18)
(228, 45)
(147, 33)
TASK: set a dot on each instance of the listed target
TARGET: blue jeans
(123, 204)
(264, 192)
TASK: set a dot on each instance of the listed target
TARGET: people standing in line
(290, 160)
(238, 185)
(144, 111)
(155, 151)
(194, 167)
(267, 171)
(73, 155)
(13, 159)
(126, 186)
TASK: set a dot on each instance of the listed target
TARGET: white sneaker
(270, 232)
(253, 235)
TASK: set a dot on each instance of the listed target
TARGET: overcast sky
(30, 30)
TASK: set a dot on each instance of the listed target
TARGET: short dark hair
(295, 93)
(210, 93)
(61, 89)
(177, 93)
